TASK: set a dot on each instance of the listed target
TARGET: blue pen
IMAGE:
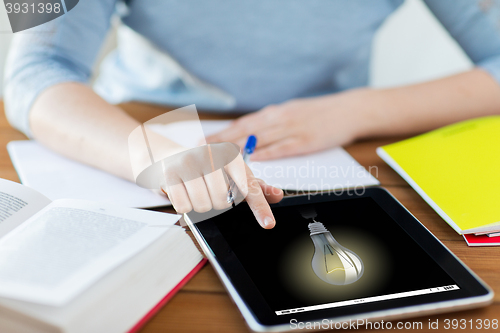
(247, 151)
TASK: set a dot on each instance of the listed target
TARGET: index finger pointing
(258, 203)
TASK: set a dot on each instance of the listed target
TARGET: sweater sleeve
(474, 24)
(62, 50)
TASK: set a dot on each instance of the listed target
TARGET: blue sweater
(222, 54)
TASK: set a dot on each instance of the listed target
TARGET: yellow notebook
(456, 169)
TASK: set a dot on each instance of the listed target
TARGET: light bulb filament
(339, 253)
(334, 258)
(336, 269)
(348, 264)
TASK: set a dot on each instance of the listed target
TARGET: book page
(70, 244)
(17, 204)
(326, 170)
(59, 177)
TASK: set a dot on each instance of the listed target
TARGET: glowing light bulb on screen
(332, 262)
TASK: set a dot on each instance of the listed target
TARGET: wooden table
(203, 305)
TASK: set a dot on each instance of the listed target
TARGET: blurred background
(410, 47)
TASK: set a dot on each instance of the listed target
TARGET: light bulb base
(317, 228)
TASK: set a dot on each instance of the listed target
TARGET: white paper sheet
(70, 244)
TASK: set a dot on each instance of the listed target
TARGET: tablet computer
(335, 258)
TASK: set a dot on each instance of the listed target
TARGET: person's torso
(263, 52)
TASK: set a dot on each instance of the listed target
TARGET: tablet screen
(357, 254)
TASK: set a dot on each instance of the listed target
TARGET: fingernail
(268, 222)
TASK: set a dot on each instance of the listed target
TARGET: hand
(195, 179)
(302, 126)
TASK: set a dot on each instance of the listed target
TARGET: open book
(58, 177)
(82, 266)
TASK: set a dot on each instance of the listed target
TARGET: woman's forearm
(307, 125)
(426, 106)
(72, 119)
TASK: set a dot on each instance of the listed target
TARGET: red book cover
(482, 240)
(165, 299)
